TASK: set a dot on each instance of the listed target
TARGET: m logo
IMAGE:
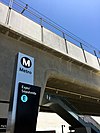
(26, 62)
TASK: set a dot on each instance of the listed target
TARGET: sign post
(25, 97)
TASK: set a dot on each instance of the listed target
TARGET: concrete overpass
(61, 67)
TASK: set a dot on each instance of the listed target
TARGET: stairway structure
(79, 123)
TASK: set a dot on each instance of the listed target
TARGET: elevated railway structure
(64, 64)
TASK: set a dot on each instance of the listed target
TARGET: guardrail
(43, 21)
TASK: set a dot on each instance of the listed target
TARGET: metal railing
(44, 21)
(75, 113)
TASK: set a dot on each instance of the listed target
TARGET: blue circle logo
(24, 98)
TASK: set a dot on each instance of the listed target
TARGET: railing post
(41, 23)
(83, 52)
(26, 7)
(9, 11)
(64, 35)
(97, 57)
(11, 4)
(65, 42)
(41, 20)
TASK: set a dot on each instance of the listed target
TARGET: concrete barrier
(28, 28)
(92, 60)
(3, 13)
(75, 52)
(54, 41)
(24, 25)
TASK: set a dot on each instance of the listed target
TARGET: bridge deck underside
(77, 95)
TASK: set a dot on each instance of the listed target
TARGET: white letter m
(26, 62)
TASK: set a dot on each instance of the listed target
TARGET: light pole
(62, 126)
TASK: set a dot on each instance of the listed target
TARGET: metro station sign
(24, 98)
(27, 108)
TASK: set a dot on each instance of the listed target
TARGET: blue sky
(81, 17)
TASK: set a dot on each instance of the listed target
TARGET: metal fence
(44, 21)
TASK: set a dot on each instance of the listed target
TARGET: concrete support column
(41, 78)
